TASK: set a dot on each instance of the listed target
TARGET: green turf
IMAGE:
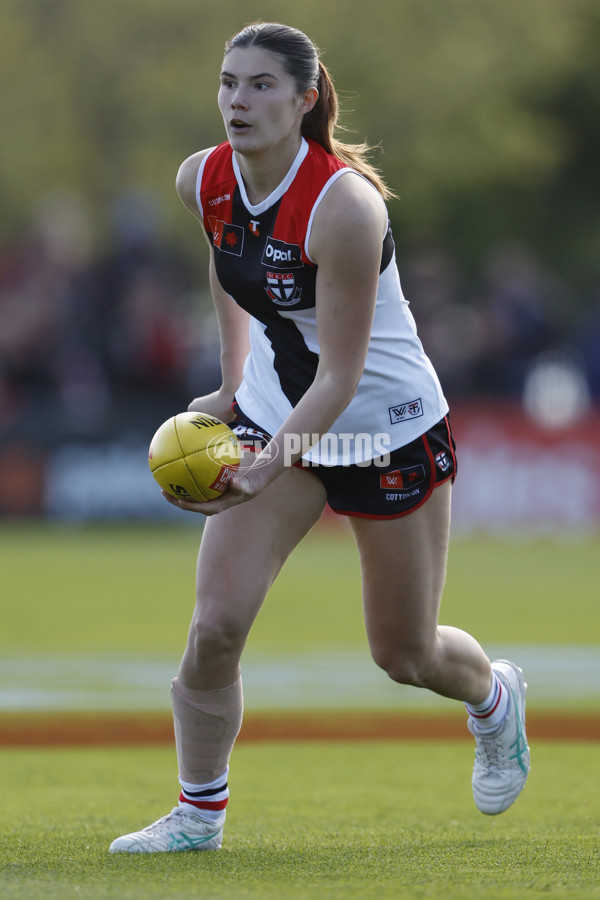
(101, 589)
(382, 820)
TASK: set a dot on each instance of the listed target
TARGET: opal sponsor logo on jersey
(282, 290)
(279, 255)
(405, 411)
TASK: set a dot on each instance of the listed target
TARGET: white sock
(207, 800)
(489, 715)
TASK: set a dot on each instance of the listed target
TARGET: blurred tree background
(484, 118)
(488, 114)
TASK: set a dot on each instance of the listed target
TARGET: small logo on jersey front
(222, 199)
(226, 237)
(282, 288)
(253, 226)
(279, 255)
(404, 411)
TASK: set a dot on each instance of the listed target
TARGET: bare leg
(404, 567)
(241, 553)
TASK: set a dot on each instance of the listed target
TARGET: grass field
(315, 820)
(333, 820)
(124, 588)
(104, 600)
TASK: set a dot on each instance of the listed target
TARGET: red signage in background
(517, 476)
(22, 477)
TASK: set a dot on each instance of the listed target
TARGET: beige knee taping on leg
(206, 726)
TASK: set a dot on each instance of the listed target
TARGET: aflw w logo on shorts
(402, 479)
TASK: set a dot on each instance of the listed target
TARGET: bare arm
(235, 345)
(185, 183)
(232, 320)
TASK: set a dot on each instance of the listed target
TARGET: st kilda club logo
(281, 288)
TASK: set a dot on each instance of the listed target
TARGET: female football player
(324, 375)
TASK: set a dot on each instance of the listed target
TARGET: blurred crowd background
(89, 340)
(485, 119)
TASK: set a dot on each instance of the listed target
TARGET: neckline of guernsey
(281, 188)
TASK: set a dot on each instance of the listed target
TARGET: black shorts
(376, 491)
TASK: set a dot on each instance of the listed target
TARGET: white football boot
(179, 830)
(502, 757)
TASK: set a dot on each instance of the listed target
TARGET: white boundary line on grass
(340, 678)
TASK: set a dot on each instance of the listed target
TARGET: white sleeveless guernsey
(262, 262)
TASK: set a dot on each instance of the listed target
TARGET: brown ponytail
(300, 58)
(320, 124)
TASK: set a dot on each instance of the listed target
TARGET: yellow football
(193, 456)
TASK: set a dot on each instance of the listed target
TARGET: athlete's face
(259, 102)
